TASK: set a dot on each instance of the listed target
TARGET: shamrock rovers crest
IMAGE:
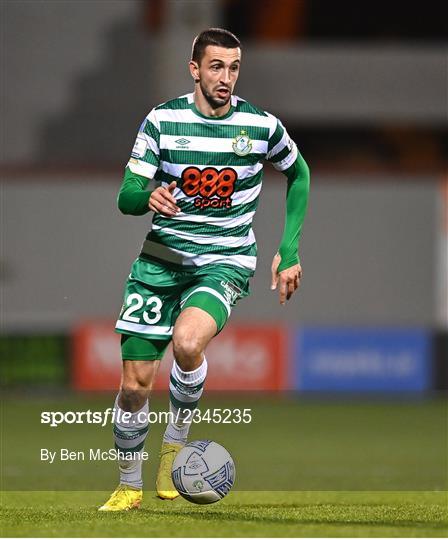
(242, 144)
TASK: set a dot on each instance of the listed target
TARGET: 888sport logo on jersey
(210, 187)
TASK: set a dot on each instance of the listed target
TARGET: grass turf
(268, 514)
(364, 468)
(291, 444)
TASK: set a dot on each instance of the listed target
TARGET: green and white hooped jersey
(217, 164)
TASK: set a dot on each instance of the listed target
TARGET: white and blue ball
(203, 472)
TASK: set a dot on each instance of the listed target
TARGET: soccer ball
(203, 472)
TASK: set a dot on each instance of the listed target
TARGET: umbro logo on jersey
(182, 142)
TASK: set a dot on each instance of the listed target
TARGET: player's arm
(134, 198)
(285, 157)
(286, 268)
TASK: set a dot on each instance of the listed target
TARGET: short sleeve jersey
(218, 166)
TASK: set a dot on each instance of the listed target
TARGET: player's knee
(187, 350)
(133, 395)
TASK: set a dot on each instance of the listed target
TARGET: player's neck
(204, 107)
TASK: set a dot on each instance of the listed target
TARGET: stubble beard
(215, 103)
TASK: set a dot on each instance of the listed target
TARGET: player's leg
(151, 294)
(193, 331)
(131, 417)
(206, 307)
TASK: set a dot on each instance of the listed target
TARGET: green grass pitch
(266, 514)
(305, 468)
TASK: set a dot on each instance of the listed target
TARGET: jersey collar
(233, 101)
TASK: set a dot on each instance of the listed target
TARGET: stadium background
(349, 378)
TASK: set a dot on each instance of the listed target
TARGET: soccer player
(206, 150)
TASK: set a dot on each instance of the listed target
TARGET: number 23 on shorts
(151, 313)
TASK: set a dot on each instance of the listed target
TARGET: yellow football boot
(122, 499)
(164, 484)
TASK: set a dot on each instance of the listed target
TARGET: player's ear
(194, 70)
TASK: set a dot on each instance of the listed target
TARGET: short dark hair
(213, 36)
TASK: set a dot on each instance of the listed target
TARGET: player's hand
(163, 202)
(288, 279)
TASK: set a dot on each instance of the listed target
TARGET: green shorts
(156, 293)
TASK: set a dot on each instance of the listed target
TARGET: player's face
(217, 74)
